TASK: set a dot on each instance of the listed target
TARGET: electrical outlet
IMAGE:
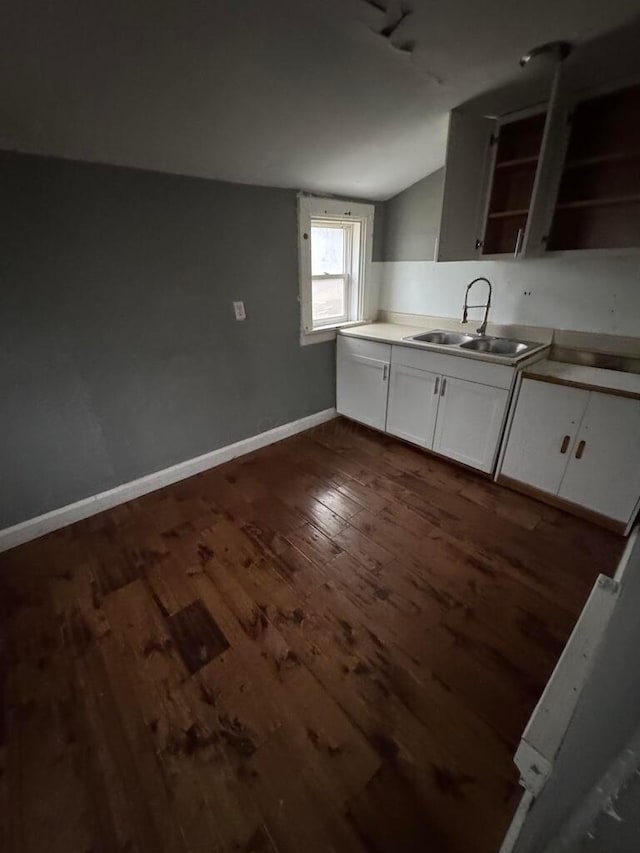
(238, 308)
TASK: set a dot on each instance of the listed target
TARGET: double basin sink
(475, 343)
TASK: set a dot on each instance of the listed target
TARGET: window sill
(327, 333)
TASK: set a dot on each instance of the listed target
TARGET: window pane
(327, 250)
(328, 299)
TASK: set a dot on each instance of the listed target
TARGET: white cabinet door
(549, 173)
(466, 180)
(603, 473)
(543, 433)
(469, 419)
(361, 392)
(413, 404)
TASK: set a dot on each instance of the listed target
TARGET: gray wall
(606, 718)
(617, 832)
(377, 249)
(412, 221)
(119, 354)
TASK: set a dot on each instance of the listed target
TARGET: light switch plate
(238, 308)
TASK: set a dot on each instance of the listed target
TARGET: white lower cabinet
(542, 434)
(582, 446)
(469, 422)
(603, 473)
(579, 445)
(413, 404)
(362, 381)
(424, 397)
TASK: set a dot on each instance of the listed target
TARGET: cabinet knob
(580, 450)
(565, 444)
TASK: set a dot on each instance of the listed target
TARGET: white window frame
(358, 218)
(351, 231)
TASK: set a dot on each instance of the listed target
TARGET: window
(332, 244)
(335, 256)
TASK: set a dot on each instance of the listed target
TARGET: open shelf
(503, 234)
(504, 214)
(603, 159)
(598, 202)
(518, 162)
(515, 168)
(614, 226)
(598, 205)
(520, 139)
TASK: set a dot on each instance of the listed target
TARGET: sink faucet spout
(487, 305)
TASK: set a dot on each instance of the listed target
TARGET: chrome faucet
(483, 327)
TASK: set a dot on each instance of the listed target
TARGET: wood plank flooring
(332, 644)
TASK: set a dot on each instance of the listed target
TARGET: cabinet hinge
(479, 244)
(494, 138)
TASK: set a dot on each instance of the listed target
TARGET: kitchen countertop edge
(588, 378)
(395, 333)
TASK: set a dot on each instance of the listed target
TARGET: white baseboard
(10, 537)
(546, 730)
(515, 827)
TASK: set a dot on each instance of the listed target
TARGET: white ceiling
(291, 93)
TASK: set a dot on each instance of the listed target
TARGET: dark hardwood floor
(332, 644)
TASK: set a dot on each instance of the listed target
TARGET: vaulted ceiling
(342, 96)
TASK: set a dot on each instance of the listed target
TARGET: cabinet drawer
(456, 366)
(367, 349)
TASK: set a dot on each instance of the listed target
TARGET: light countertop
(576, 375)
(388, 333)
(590, 378)
(395, 333)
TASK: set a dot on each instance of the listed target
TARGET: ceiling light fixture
(558, 50)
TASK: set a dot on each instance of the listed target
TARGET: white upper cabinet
(603, 473)
(362, 381)
(548, 174)
(514, 171)
(465, 186)
(469, 423)
(596, 194)
(413, 404)
(561, 176)
(494, 184)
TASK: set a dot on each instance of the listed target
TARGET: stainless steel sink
(498, 346)
(475, 343)
(439, 336)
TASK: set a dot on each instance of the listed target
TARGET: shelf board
(598, 202)
(614, 157)
(505, 214)
(519, 161)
